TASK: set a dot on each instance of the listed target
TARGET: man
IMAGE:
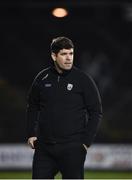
(63, 113)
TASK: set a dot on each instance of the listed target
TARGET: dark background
(102, 35)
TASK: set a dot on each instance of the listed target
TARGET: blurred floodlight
(59, 12)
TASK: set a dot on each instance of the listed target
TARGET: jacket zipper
(53, 134)
(58, 79)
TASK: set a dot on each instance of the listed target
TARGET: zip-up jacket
(63, 107)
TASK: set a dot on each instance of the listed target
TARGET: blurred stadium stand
(99, 157)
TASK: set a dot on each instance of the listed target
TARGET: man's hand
(31, 141)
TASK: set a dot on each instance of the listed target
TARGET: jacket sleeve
(94, 109)
(32, 109)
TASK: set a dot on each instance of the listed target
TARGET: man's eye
(64, 54)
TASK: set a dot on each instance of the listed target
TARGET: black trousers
(68, 158)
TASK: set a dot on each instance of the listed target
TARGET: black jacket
(63, 107)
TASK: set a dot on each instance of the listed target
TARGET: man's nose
(68, 57)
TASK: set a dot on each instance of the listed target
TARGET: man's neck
(59, 70)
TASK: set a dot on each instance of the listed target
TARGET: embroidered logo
(69, 86)
(48, 85)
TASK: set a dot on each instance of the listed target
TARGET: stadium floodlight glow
(59, 12)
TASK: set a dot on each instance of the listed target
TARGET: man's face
(64, 58)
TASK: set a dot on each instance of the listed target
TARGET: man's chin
(67, 67)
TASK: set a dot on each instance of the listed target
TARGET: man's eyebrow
(71, 52)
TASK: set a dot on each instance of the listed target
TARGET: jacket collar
(65, 72)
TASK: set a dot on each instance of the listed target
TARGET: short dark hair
(61, 43)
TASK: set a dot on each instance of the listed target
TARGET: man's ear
(53, 55)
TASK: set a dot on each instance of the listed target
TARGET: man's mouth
(68, 63)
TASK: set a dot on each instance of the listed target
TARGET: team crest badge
(69, 86)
